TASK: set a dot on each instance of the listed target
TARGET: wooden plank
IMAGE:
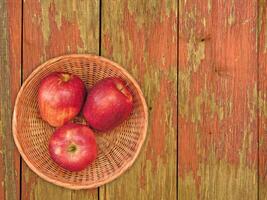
(142, 37)
(262, 40)
(10, 65)
(217, 121)
(53, 28)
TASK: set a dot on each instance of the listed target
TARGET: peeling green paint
(44, 190)
(262, 188)
(196, 114)
(183, 94)
(217, 172)
(180, 7)
(212, 105)
(172, 74)
(204, 22)
(209, 5)
(45, 6)
(265, 35)
(170, 7)
(138, 12)
(207, 98)
(221, 109)
(253, 102)
(261, 141)
(115, 38)
(151, 8)
(26, 176)
(240, 179)
(149, 88)
(261, 7)
(71, 12)
(195, 48)
(187, 187)
(231, 17)
(220, 113)
(263, 103)
(195, 53)
(151, 4)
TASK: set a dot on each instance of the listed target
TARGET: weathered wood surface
(218, 99)
(52, 28)
(222, 109)
(142, 37)
(10, 68)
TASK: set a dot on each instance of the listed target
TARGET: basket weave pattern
(117, 149)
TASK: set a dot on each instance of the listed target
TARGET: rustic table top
(142, 37)
(222, 121)
(218, 148)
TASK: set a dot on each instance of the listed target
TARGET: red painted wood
(53, 28)
(262, 100)
(10, 66)
(217, 123)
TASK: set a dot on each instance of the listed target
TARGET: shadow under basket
(117, 149)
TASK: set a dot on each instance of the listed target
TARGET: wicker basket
(117, 149)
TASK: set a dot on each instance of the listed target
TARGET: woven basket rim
(124, 167)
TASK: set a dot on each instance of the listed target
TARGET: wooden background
(222, 99)
(141, 35)
(220, 151)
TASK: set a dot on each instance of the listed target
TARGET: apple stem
(65, 77)
(72, 148)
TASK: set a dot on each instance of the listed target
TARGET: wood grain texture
(142, 37)
(262, 45)
(52, 28)
(217, 123)
(10, 60)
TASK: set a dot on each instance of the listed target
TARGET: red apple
(73, 147)
(108, 104)
(60, 97)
